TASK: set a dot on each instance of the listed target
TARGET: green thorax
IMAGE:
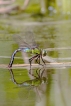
(35, 51)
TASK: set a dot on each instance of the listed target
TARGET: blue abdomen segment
(26, 50)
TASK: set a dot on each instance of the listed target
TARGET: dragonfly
(28, 45)
(38, 80)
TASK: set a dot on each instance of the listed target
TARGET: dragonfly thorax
(35, 51)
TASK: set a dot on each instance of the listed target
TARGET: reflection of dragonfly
(37, 84)
(30, 47)
(38, 80)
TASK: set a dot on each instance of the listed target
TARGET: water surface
(58, 92)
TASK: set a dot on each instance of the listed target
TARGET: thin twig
(48, 65)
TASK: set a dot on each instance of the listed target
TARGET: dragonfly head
(44, 52)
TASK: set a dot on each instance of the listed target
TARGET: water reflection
(38, 83)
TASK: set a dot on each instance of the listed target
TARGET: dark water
(58, 88)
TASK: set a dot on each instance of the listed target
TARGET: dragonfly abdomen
(27, 50)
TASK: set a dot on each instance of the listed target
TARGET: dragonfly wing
(27, 94)
(26, 39)
(20, 40)
(31, 37)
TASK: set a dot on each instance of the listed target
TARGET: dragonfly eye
(44, 53)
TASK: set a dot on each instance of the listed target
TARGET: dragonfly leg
(30, 61)
(12, 57)
(42, 60)
(38, 73)
(42, 73)
(38, 60)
